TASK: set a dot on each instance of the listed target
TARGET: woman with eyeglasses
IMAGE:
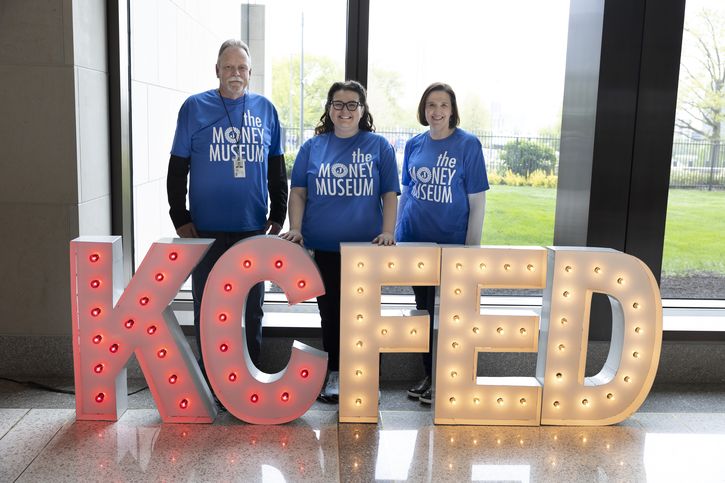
(344, 189)
(444, 194)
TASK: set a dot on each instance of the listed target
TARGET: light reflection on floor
(43, 444)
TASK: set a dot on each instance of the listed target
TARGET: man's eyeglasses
(351, 106)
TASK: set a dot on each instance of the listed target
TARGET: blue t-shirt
(344, 178)
(218, 200)
(440, 174)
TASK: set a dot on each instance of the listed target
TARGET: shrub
(289, 161)
(523, 157)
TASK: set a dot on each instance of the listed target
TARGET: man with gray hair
(227, 144)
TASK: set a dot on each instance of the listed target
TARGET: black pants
(253, 313)
(425, 299)
(329, 305)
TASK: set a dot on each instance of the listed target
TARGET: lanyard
(241, 124)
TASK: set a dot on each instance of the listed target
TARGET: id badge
(239, 167)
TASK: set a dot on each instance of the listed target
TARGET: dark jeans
(329, 305)
(425, 299)
(253, 313)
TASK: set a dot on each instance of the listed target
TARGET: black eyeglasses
(351, 106)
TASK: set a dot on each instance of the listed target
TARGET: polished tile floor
(677, 435)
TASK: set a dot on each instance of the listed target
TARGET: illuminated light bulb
(557, 404)
(227, 287)
(566, 293)
(421, 265)
(97, 339)
(304, 373)
(360, 265)
(522, 331)
(476, 401)
(454, 374)
(455, 345)
(222, 317)
(564, 321)
(96, 312)
(507, 266)
(499, 401)
(413, 332)
(457, 291)
(597, 270)
(476, 330)
(475, 441)
(384, 332)
(360, 290)
(620, 280)
(184, 403)
(452, 440)
(358, 372)
(568, 268)
(94, 257)
(530, 267)
(360, 316)
(129, 323)
(98, 369)
(359, 344)
(114, 348)
(144, 301)
(482, 266)
(232, 376)
(452, 400)
(610, 396)
(100, 397)
(459, 266)
(500, 330)
(278, 264)
(159, 277)
(456, 318)
(627, 378)
(254, 398)
(284, 397)
(173, 256)
(559, 375)
(635, 354)
(301, 284)
(391, 265)
(95, 283)
(522, 401)
(151, 330)
(561, 347)
(358, 402)
(635, 305)
(161, 353)
(247, 264)
(223, 347)
(585, 402)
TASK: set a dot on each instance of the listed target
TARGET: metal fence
(695, 164)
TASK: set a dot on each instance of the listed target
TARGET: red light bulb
(161, 353)
(129, 323)
(98, 369)
(144, 301)
(172, 379)
(173, 256)
(100, 397)
(223, 347)
(94, 258)
(247, 263)
(97, 339)
(113, 348)
(285, 396)
(159, 277)
(222, 317)
(304, 373)
(96, 312)
(301, 284)
(254, 398)
(184, 404)
(95, 283)
(228, 287)
(278, 264)
(232, 376)
(151, 330)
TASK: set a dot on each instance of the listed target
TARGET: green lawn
(694, 239)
